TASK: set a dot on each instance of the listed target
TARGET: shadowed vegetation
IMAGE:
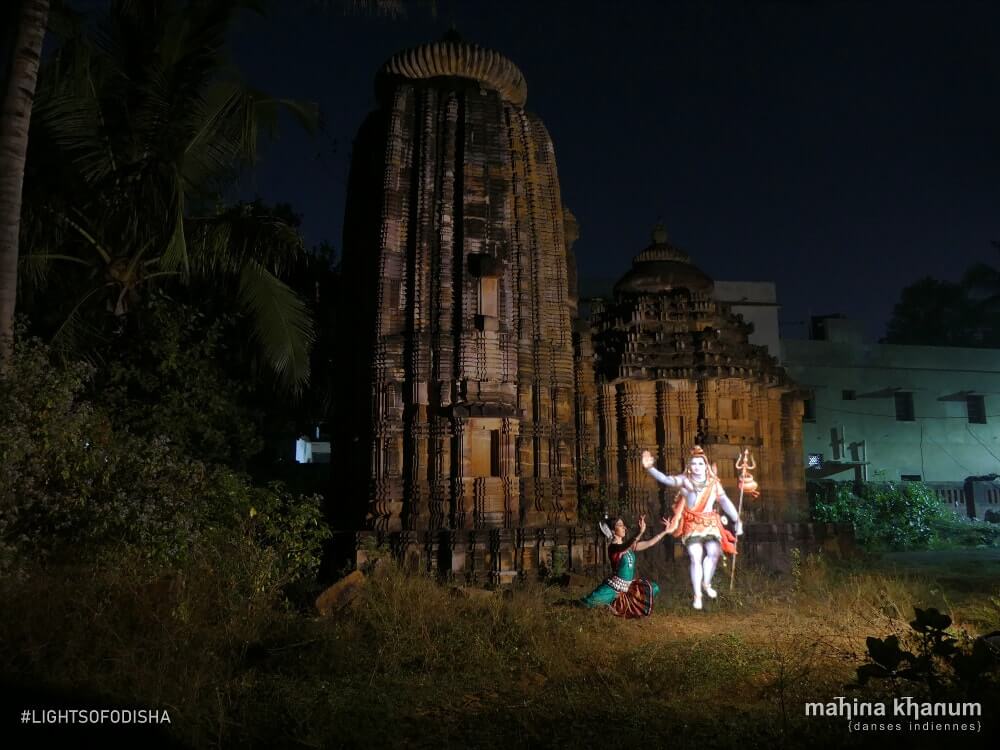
(411, 662)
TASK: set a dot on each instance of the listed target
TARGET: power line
(985, 447)
(944, 450)
(893, 416)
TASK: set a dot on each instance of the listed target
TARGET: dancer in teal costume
(627, 595)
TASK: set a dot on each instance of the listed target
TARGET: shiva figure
(627, 595)
(696, 523)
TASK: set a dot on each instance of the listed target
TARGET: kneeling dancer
(627, 595)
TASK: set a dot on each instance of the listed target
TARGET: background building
(881, 411)
(757, 303)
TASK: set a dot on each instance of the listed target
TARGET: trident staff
(744, 464)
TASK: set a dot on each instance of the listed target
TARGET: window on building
(809, 408)
(976, 406)
(494, 453)
(904, 407)
(484, 450)
(909, 477)
(848, 395)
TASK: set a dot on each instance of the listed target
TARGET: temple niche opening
(674, 368)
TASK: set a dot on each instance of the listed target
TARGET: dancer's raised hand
(647, 460)
(642, 525)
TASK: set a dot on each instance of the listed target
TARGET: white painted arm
(730, 510)
(662, 478)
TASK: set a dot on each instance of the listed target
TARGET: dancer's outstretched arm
(654, 540)
(634, 544)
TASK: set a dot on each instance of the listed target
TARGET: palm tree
(14, 123)
(141, 129)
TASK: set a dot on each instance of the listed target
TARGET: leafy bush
(953, 530)
(933, 657)
(883, 513)
(75, 488)
(164, 378)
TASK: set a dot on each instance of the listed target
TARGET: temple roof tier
(663, 267)
(454, 57)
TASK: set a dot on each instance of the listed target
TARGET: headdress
(698, 452)
(605, 529)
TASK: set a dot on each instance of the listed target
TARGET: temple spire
(659, 234)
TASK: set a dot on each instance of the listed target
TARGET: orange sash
(686, 521)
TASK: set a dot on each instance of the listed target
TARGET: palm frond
(246, 233)
(92, 241)
(74, 335)
(282, 323)
(35, 266)
(306, 114)
(175, 256)
(218, 142)
(391, 8)
(73, 123)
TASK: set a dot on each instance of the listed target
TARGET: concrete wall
(939, 445)
(757, 303)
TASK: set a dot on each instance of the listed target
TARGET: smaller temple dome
(663, 267)
(452, 56)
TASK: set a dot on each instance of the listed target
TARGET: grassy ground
(416, 664)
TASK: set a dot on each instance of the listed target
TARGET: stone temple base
(501, 556)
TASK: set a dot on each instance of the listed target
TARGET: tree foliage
(932, 657)
(75, 486)
(932, 312)
(140, 130)
(165, 378)
(890, 514)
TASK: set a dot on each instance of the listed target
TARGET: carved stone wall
(674, 369)
(474, 404)
(460, 362)
(498, 556)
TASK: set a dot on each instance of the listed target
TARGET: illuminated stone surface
(462, 359)
(674, 369)
(476, 405)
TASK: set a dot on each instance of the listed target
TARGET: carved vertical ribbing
(471, 203)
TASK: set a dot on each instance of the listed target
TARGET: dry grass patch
(412, 664)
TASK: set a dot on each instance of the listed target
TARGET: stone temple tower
(675, 368)
(458, 371)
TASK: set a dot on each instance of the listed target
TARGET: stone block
(341, 594)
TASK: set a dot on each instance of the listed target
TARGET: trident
(747, 484)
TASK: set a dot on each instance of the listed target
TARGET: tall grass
(415, 663)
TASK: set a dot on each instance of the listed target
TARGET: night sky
(840, 149)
